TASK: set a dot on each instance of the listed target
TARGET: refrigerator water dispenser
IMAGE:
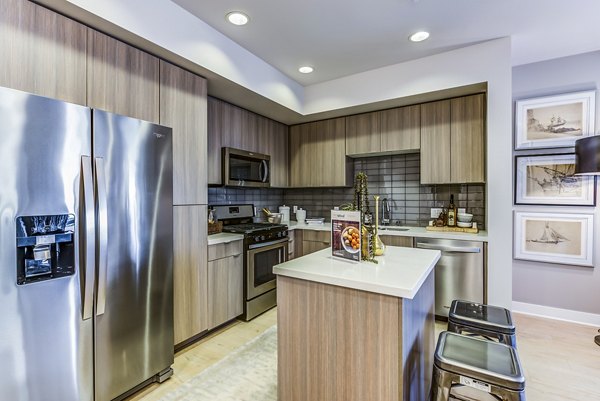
(45, 247)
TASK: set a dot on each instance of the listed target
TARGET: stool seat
(485, 361)
(484, 317)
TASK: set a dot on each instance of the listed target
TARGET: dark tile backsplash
(393, 177)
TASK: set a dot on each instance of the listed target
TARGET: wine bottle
(451, 213)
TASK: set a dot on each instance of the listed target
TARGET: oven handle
(268, 244)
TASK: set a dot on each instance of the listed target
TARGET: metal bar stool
(491, 322)
(492, 370)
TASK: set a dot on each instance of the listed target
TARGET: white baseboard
(589, 319)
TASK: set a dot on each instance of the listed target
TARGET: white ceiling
(344, 37)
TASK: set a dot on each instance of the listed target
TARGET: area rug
(247, 374)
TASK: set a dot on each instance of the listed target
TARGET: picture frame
(549, 179)
(554, 121)
(562, 238)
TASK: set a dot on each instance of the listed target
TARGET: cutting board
(453, 229)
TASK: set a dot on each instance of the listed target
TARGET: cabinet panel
(277, 142)
(435, 142)
(190, 271)
(225, 284)
(298, 155)
(396, 240)
(183, 108)
(312, 246)
(467, 143)
(122, 79)
(401, 129)
(42, 52)
(363, 134)
(215, 140)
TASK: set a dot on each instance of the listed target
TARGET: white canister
(301, 216)
(285, 211)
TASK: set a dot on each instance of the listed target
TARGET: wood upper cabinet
(467, 139)
(453, 141)
(122, 79)
(42, 52)
(363, 134)
(183, 108)
(190, 271)
(317, 154)
(435, 142)
(278, 149)
(401, 129)
(215, 140)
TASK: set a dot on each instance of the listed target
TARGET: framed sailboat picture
(554, 238)
(551, 180)
(554, 121)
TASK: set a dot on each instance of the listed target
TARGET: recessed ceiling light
(419, 36)
(237, 18)
(306, 69)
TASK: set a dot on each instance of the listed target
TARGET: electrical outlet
(435, 212)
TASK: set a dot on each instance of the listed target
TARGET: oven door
(261, 259)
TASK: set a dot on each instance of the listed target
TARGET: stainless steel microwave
(246, 169)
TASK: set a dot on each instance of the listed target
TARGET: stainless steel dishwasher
(460, 272)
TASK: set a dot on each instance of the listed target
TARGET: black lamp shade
(587, 156)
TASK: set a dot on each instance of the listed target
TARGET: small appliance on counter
(265, 245)
(301, 216)
(285, 212)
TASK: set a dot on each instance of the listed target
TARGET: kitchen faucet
(385, 212)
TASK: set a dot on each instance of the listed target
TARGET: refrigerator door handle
(102, 235)
(90, 237)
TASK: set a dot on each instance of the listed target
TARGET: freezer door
(134, 306)
(45, 342)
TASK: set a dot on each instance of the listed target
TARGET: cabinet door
(122, 79)
(277, 140)
(225, 289)
(332, 164)
(401, 129)
(183, 108)
(299, 152)
(435, 142)
(467, 126)
(396, 240)
(190, 271)
(42, 52)
(363, 134)
(215, 140)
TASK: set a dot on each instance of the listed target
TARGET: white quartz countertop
(223, 238)
(410, 232)
(400, 272)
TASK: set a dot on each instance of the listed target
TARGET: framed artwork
(550, 180)
(554, 238)
(554, 121)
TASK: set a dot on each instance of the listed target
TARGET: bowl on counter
(275, 218)
(465, 217)
(462, 224)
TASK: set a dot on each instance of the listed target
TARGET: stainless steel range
(265, 245)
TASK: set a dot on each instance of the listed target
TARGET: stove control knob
(256, 239)
(262, 237)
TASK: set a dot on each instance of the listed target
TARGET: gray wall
(559, 286)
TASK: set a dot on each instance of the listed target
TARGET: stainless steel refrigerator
(86, 287)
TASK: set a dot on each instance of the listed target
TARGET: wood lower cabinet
(190, 271)
(42, 52)
(122, 79)
(225, 284)
(317, 155)
(313, 241)
(183, 108)
(401, 129)
(396, 240)
(453, 141)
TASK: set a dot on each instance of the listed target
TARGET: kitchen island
(356, 331)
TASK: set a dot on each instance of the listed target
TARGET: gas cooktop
(253, 227)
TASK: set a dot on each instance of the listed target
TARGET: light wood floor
(561, 360)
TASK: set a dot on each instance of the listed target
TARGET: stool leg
(441, 384)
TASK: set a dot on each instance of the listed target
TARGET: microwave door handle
(102, 236)
(90, 237)
(266, 169)
(261, 169)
